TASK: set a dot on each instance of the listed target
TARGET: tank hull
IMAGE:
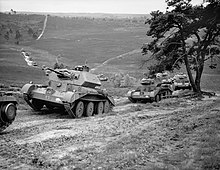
(181, 81)
(150, 93)
(67, 100)
(182, 85)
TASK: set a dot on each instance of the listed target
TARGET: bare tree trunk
(198, 78)
(192, 82)
(199, 71)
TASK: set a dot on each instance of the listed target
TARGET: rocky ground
(177, 133)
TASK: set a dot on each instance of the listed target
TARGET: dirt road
(127, 54)
(174, 134)
(44, 26)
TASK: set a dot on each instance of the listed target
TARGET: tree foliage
(185, 34)
(6, 36)
(30, 31)
(58, 65)
(18, 36)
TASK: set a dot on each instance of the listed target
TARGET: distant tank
(8, 109)
(82, 68)
(102, 77)
(181, 81)
(151, 90)
(75, 90)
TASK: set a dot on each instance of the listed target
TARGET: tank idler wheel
(157, 98)
(100, 108)
(106, 106)
(79, 109)
(132, 100)
(89, 109)
(37, 105)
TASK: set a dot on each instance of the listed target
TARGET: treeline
(18, 27)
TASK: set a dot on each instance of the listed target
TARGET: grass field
(79, 39)
(94, 41)
(14, 71)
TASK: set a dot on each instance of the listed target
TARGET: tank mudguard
(71, 97)
(27, 88)
(111, 100)
(7, 99)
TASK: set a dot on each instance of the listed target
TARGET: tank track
(26, 98)
(3, 126)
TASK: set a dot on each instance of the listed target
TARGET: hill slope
(80, 39)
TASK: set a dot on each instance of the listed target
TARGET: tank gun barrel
(59, 73)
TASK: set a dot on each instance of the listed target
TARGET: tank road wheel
(38, 105)
(106, 106)
(7, 115)
(157, 98)
(79, 109)
(169, 94)
(8, 112)
(100, 108)
(165, 95)
(89, 109)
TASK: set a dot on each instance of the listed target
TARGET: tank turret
(77, 91)
(74, 77)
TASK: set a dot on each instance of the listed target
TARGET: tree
(18, 36)
(58, 66)
(35, 35)
(13, 12)
(6, 36)
(10, 31)
(30, 31)
(185, 34)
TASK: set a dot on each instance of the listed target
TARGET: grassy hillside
(78, 39)
(14, 71)
(27, 25)
(94, 40)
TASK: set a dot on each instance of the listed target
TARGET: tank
(8, 109)
(77, 91)
(151, 90)
(102, 77)
(181, 81)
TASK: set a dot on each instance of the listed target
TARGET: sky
(86, 6)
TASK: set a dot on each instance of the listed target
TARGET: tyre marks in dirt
(51, 143)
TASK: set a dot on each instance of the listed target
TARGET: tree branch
(177, 60)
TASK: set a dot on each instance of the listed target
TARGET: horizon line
(77, 12)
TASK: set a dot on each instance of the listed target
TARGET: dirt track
(174, 134)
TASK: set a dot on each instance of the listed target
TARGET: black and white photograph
(109, 84)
